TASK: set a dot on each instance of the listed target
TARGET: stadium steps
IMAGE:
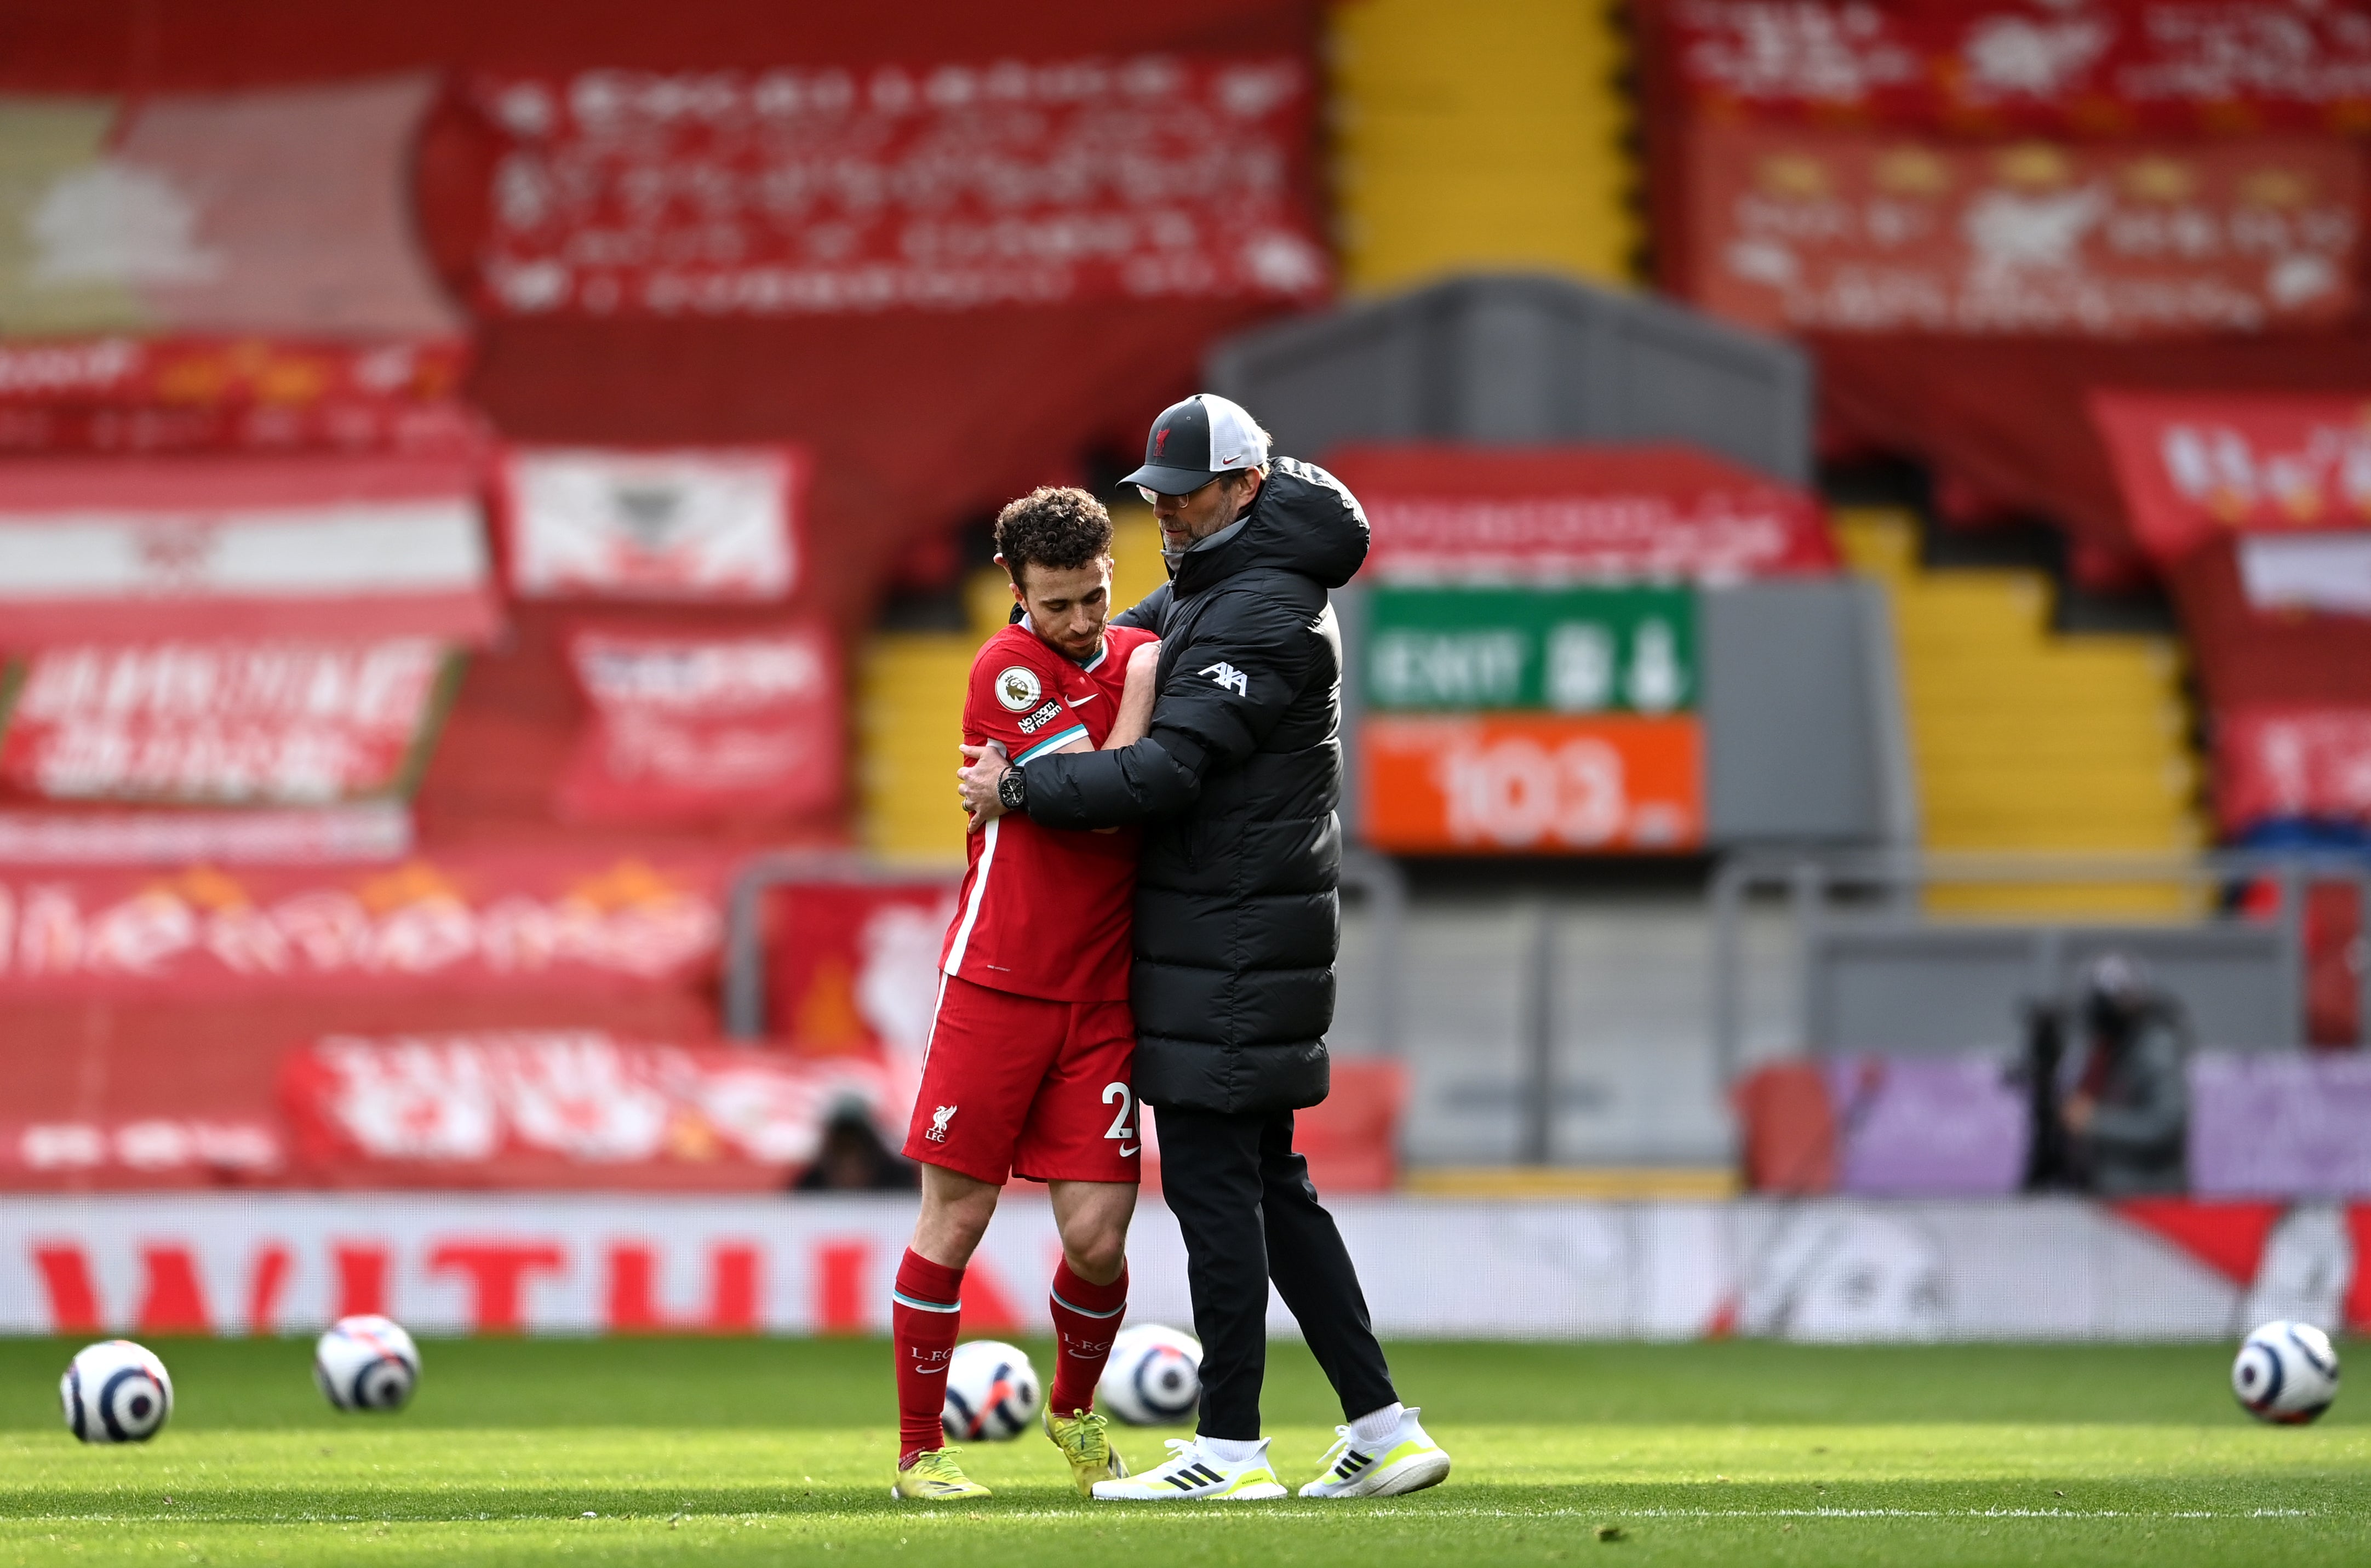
(909, 692)
(909, 717)
(1490, 136)
(2024, 740)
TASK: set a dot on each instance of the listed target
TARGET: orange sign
(1537, 784)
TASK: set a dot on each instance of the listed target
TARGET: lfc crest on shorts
(939, 1117)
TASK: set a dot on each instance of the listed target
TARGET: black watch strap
(1013, 790)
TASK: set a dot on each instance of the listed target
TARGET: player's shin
(925, 1315)
(1086, 1316)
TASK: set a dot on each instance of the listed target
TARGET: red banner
(489, 921)
(373, 831)
(934, 186)
(1808, 229)
(260, 722)
(2194, 467)
(2292, 761)
(718, 523)
(855, 965)
(1516, 783)
(362, 426)
(229, 372)
(562, 1108)
(204, 394)
(248, 548)
(1577, 512)
(2107, 67)
(269, 212)
(143, 1152)
(690, 726)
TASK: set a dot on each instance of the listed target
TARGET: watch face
(1009, 789)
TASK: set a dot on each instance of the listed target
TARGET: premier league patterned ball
(992, 1392)
(1154, 1377)
(366, 1363)
(2286, 1373)
(115, 1391)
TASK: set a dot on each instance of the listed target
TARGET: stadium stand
(1489, 136)
(2007, 429)
(2027, 741)
(1980, 263)
(523, 866)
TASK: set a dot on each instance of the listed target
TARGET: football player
(1029, 1068)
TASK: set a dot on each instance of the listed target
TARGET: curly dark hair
(1055, 527)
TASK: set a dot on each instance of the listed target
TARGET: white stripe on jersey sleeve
(1052, 743)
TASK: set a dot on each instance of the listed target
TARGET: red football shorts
(1015, 1086)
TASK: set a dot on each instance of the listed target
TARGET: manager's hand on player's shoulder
(976, 782)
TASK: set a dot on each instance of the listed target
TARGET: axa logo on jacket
(1227, 674)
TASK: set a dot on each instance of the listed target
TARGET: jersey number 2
(1119, 1127)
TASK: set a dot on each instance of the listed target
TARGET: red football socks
(1085, 1318)
(925, 1312)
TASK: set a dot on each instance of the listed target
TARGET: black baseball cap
(1194, 442)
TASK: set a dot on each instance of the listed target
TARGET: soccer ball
(992, 1392)
(1154, 1377)
(115, 1391)
(366, 1363)
(2286, 1373)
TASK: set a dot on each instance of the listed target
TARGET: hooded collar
(1303, 521)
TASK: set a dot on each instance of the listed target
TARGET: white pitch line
(1253, 1511)
(1617, 1515)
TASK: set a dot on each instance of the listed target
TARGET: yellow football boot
(1084, 1437)
(935, 1477)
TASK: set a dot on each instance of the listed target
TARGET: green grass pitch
(667, 1451)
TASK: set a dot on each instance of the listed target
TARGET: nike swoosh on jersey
(1125, 1151)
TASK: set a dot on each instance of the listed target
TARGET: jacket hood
(1304, 521)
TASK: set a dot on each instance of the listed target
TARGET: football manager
(1237, 925)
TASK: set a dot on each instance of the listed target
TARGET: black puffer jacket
(1237, 911)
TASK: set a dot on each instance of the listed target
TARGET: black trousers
(1249, 1214)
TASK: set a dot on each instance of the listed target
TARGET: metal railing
(1886, 885)
(744, 924)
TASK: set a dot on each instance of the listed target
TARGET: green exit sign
(1569, 650)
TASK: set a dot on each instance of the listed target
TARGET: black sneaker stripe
(1209, 1476)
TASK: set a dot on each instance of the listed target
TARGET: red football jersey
(1044, 911)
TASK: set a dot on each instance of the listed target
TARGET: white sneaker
(1406, 1462)
(1191, 1474)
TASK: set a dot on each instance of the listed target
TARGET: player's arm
(1226, 689)
(1134, 721)
(1014, 711)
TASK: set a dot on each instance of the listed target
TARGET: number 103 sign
(1502, 783)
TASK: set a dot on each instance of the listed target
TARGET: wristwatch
(1013, 790)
